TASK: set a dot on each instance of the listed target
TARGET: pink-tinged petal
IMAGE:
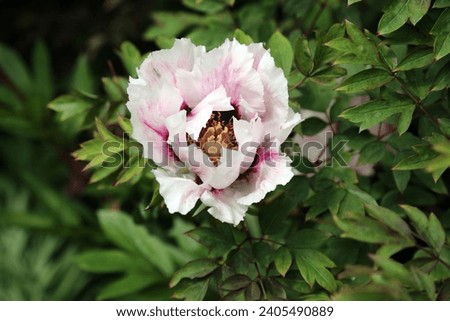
(231, 66)
(249, 135)
(149, 108)
(217, 100)
(165, 63)
(223, 206)
(293, 120)
(180, 193)
(273, 169)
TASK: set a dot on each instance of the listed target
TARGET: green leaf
(372, 153)
(390, 219)
(367, 230)
(393, 269)
(217, 243)
(395, 15)
(120, 229)
(418, 59)
(442, 45)
(128, 284)
(417, 9)
(328, 75)
(131, 57)
(70, 106)
(401, 179)
(242, 37)
(302, 56)
(42, 71)
(236, 282)
(112, 89)
(193, 270)
(376, 111)
(82, 77)
(441, 4)
(281, 51)
(350, 2)
(283, 260)
(312, 126)
(417, 217)
(308, 239)
(442, 25)
(104, 132)
(313, 268)
(192, 290)
(108, 261)
(15, 69)
(253, 292)
(417, 161)
(436, 232)
(365, 80)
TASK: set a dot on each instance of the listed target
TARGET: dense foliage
(82, 217)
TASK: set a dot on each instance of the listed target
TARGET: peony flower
(213, 123)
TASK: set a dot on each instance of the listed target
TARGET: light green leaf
(418, 59)
(112, 89)
(350, 2)
(366, 80)
(281, 51)
(242, 37)
(70, 106)
(283, 260)
(131, 57)
(313, 268)
(193, 270)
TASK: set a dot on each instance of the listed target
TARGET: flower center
(217, 133)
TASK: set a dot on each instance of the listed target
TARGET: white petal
(272, 170)
(217, 100)
(228, 170)
(223, 206)
(180, 193)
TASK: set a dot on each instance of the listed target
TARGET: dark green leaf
(236, 282)
(436, 232)
(401, 179)
(312, 126)
(302, 56)
(192, 290)
(253, 292)
(372, 153)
